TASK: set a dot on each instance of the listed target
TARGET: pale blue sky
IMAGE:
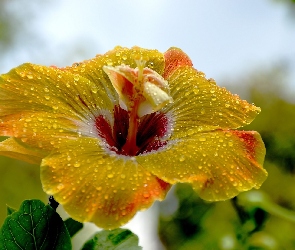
(223, 38)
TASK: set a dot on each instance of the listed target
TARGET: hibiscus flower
(113, 133)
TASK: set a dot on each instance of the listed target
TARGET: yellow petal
(42, 105)
(36, 88)
(157, 97)
(219, 164)
(94, 185)
(14, 148)
(200, 105)
(93, 69)
(175, 58)
(40, 130)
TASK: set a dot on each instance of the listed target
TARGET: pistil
(130, 147)
(141, 91)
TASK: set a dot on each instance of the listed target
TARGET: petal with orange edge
(219, 164)
(41, 130)
(200, 105)
(96, 186)
(175, 58)
(14, 148)
(42, 105)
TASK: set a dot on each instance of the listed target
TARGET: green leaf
(73, 226)
(34, 226)
(118, 239)
(10, 210)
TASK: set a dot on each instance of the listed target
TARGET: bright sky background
(223, 38)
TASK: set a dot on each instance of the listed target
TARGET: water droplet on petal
(77, 164)
(196, 90)
(110, 176)
(60, 186)
(181, 158)
(202, 139)
(24, 139)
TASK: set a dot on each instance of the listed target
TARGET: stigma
(139, 88)
(142, 91)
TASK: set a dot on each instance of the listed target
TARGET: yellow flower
(114, 132)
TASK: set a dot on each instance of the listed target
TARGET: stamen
(140, 66)
(142, 91)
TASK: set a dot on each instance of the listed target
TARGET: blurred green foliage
(19, 181)
(243, 222)
(15, 17)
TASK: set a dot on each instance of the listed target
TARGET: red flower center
(150, 134)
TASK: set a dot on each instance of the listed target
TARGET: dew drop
(47, 97)
(181, 158)
(60, 186)
(196, 90)
(76, 77)
(187, 93)
(77, 164)
(94, 90)
(146, 195)
(190, 132)
(110, 176)
(109, 62)
(24, 139)
(123, 176)
(202, 139)
(203, 111)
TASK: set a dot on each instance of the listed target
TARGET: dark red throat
(150, 135)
